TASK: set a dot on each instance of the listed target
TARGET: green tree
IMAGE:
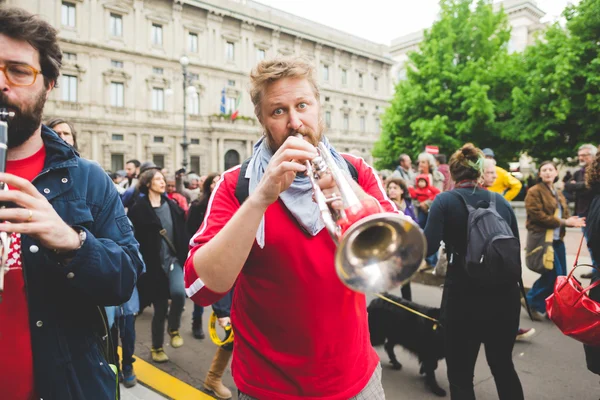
(558, 107)
(458, 87)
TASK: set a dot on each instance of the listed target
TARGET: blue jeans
(198, 311)
(544, 286)
(127, 334)
(161, 308)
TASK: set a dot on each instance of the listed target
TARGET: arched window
(232, 158)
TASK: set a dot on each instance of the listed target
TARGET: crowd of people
(91, 249)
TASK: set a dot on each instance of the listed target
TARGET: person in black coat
(159, 225)
(592, 354)
(195, 217)
(471, 313)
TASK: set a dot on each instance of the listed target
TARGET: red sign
(432, 149)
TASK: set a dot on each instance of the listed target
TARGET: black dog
(391, 325)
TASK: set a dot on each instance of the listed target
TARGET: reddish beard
(309, 135)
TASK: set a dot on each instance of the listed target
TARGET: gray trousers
(177, 291)
(373, 390)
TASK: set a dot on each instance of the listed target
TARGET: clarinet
(4, 236)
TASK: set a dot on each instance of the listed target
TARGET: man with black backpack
(299, 331)
(480, 302)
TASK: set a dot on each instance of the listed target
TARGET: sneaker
(176, 339)
(538, 316)
(523, 334)
(129, 378)
(159, 355)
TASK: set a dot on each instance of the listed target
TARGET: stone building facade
(122, 84)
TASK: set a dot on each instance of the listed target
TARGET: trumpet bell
(380, 252)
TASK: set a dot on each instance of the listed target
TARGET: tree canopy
(462, 85)
(558, 106)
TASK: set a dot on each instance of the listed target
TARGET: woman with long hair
(397, 191)
(160, 229)
(473, 313)
(546, 210)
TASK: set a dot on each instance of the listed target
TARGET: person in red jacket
(423, 191)
(299, 331)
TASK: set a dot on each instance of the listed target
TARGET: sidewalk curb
(165, 384)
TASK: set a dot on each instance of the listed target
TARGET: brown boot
(215, 373)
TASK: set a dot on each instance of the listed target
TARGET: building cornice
(118, 8)
(243, 13)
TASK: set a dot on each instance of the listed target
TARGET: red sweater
(16, 365)
(299, 332)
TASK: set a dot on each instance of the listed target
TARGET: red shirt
(299, 332)
(16, 368)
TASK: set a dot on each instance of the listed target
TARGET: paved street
(550, 365)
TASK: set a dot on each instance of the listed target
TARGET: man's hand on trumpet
(287, 161)
(36, 218)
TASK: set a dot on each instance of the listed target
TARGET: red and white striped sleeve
(369, 181)
(221, 207)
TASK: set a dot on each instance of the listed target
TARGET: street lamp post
(184, 61)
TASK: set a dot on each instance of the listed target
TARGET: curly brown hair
(19, 24)
(592, 174)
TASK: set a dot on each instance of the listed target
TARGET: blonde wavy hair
(271, 70)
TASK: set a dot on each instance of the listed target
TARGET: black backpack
(493, 252)
(243, 183)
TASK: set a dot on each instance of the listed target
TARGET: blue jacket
(66, 300)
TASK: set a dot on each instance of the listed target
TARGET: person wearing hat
(132, 193)
(505, 184)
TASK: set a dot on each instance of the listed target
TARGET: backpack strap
(492, 200)
(243, 183)
(352, 169)
(242, 188)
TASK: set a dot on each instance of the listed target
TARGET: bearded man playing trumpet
(300, 332)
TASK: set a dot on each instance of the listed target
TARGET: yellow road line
(164, 383)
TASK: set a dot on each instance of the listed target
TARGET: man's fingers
(293, 154)
(16, 215)
(288, 166)
(21, 198)
(28, 228)
(21, 184)
(293, 142)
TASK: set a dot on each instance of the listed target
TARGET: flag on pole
(236, 112)
(223, 108)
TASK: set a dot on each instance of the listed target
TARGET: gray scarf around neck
(298, 198)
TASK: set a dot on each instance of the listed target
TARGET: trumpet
(4, 236)
(376, 251)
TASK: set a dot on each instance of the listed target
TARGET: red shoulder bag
(572, 310)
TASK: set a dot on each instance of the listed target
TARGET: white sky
(383, 20)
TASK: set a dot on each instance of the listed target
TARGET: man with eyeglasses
(72, 247)
(577, 187)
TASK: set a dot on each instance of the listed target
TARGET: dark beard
(24, 124)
